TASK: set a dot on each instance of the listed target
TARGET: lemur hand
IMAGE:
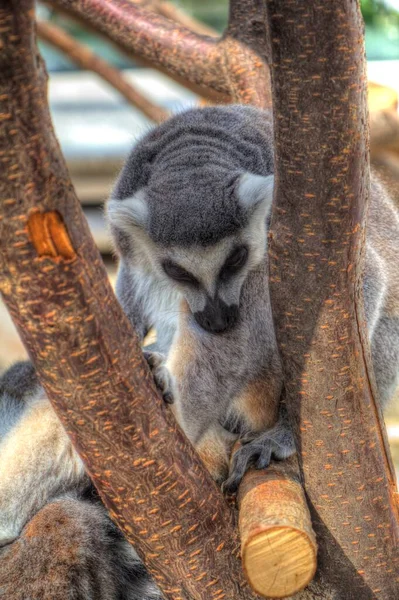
(163, 379)
(276, 443)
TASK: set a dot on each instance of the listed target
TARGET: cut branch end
(278, 545)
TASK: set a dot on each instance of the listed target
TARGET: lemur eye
(177, 273)
(234, 262)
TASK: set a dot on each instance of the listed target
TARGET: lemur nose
(217, 317)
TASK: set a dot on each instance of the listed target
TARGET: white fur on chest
(161, 304)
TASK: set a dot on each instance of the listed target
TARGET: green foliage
(382, 23)
(377, 11)
(382, 29)
(212, 12)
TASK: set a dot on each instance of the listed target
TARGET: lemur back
(189, 216)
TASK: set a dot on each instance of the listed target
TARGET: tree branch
(245, 53)
(317, 247)
(87, 356)
(154, 38)
(232, 68)
(86, 59)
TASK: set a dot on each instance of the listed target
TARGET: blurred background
(97, 125)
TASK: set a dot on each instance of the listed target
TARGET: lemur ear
(255, 193)
(128, 213)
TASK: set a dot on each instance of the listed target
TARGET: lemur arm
(37, 459)
(132, 301)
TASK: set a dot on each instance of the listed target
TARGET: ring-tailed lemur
(189, 216)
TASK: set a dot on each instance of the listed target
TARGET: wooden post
(278, 545)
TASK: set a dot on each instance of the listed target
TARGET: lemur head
(188, 210)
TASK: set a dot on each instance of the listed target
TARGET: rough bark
(86, 354)
(86, 59)
(232, 68)
(317, 247)
(244, 53)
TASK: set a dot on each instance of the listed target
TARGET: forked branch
(154, 38)
(56, 289)
(233, 67)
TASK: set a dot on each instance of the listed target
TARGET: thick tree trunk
(317, 247)
(87, 355)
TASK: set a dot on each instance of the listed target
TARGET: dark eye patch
(234, 262)
(177, 273)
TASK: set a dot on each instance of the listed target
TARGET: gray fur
(190, 171)
(200, 175)
(381, 289)
(75, 552)
(277, 442)
(17, 386)
(189, 167)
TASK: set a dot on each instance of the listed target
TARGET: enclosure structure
(56, 289)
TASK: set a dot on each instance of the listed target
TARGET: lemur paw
(163, 379)
(277, 443)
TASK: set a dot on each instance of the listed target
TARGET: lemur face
(211, 279)
(210, 276)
